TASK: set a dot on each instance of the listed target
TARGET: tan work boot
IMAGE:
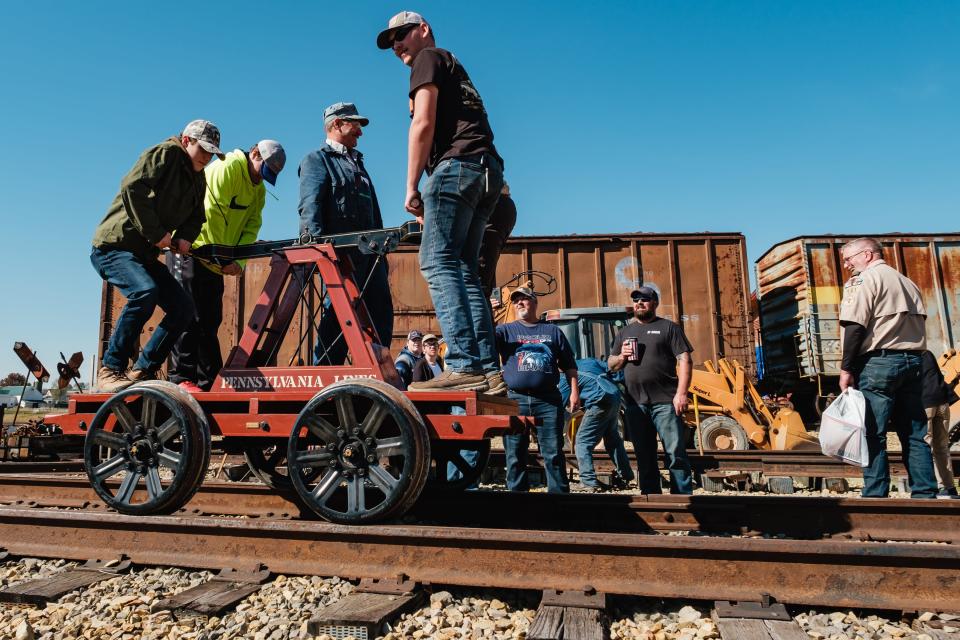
(110, 381)
(497, 386)
(453, 381)
(139, 375)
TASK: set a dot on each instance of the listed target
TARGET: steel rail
(786, 463)
(819, 573)
(791, 516)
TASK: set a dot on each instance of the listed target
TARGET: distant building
(12, 396)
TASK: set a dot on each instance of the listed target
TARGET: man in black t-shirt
(451, 139)
(654, 354)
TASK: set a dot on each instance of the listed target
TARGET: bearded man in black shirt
(451, 139)
(654, 354)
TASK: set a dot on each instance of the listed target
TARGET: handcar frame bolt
(371, 458)
(341, 434)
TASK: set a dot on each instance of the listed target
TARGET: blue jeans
(331, 347)
(549, 416)
(457, 201)
(645, 422)
(600, 423)
(145, 284)
(892, 386)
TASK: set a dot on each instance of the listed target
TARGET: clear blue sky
(776, 119)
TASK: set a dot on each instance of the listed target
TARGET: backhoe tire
(722, 433)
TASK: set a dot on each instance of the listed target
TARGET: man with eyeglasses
(654, 354)
(337, 196)
(450, 138)
(233, 207)
(159, 206)
(882, 322)
(535, 354)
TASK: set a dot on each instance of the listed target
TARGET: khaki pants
(938, 419)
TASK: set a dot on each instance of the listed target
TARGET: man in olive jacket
(159, 206)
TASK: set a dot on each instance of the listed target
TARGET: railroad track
(870, 553)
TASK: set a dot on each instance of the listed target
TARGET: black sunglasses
(402, 33)
(642, 298)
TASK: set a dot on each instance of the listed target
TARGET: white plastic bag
(843, 430)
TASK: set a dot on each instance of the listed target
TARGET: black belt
(894, 352)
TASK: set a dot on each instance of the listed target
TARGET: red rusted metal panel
(702, 278)
(800, 285)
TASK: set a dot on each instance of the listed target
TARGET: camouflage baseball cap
(207, 134)
(274, 158)
(343, 111)
(397, 22)
(523, 291)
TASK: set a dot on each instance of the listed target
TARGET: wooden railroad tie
(764, 620)
(571, 615)
(363, 613)
(218, 594)
(40, 591)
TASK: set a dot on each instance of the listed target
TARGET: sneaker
(110, 381)
(579, 487)
(139, 375)
(190, 387)
(948, 493)
(453, 381)
(497, 386)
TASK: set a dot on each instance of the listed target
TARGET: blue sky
(776, 119)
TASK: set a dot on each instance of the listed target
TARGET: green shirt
(161, 194)
(233, 205)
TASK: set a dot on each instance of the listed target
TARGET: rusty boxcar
(800, 285)
(702, 279)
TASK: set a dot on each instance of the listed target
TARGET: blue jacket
(595, 383)
(331, 199)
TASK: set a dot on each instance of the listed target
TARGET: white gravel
(123, 608)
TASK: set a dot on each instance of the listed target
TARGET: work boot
(139, 375)
(497, 386)
(453, 381)
(110, 381)
(579, 487)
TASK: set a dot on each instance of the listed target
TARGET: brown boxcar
(702, 279)
(800, 285)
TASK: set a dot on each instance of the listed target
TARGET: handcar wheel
(721, 433)
(145, 451)
(468, 457)
(366, 453)
(191, 402)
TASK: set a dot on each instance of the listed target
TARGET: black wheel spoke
(382, 479)
(321, 428)
(124, 417)
(375, 417)
(128, 486)
(314, 458)
(168, 430)
(169, 459)
(148, 411)
(154, 488)
(327, 485)
(109, 439)
(356, 496)
(110, 467)
(391, 447)
(345, 411)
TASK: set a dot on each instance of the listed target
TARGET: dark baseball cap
(645, 292)
(414, 335)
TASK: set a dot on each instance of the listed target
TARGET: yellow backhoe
(728, 413)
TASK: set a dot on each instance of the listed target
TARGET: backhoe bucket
(789, 434)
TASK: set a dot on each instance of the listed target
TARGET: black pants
(196, 355)
(498, 229)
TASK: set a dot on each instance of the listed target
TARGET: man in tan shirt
(882, 322)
